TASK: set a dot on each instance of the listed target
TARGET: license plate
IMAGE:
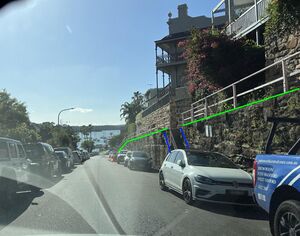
(237, 192)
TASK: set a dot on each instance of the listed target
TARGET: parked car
(127, 158)
(77, 157)
(112, 156)
(69, 153)
(205, 176)
(15, 171)
(140, 160)
(65, 161)
(43, 154)
(86, 155)
(121, 156)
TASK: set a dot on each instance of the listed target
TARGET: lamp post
(67, 109)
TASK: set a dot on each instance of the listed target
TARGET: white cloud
(82, 110)
(69, 29)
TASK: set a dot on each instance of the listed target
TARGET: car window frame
(20, 149)
(183, 156)
(8, 152)
(175, 153)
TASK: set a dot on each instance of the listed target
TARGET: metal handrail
(193, 111)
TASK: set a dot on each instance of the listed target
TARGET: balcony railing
(168, 59)
(252, 17)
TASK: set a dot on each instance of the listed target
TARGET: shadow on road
(246, 212)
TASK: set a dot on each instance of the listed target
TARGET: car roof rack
(276, 121)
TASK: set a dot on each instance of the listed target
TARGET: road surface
(101, 197)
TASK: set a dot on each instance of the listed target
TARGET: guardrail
(202, 107)
(253, 15)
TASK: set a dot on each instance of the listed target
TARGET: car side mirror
(181, 163)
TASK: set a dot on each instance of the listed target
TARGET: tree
(130, 110)
(215, 60)
(88, 145)
(116, 140)
(14, 120)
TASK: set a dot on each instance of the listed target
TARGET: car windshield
(140, 154)
(209, 160)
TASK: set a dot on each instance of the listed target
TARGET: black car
(68, 151)
(43, 154)
(65, 161)
(139, 160)
(77, 157)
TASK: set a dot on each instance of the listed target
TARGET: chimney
(182, 11)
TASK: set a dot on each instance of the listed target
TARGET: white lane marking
(288, 175)
(294, 180)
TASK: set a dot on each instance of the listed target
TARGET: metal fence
(207, 105)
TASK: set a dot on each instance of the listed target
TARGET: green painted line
(240, 107)
(141, 137)
(208, 117)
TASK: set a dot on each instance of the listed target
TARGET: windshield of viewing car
(106, 105)
(209, 160)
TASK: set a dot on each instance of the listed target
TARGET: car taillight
(254, 172)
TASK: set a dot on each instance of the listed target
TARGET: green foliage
(214, 61)
(14, 120)
(88, 145)
(130, 110)
(116, 141)
(62, 136)
(283, 16)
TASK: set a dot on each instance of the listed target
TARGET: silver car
(206, 176)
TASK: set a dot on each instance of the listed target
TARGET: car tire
(162, 183)
(287, 216)
(118, 161)
(125, 163)
(129, 166)
(187, 192)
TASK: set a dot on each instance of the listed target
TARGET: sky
(88, 54)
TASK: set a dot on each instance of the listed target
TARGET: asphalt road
(101, 197)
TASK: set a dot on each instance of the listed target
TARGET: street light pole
(67, 109)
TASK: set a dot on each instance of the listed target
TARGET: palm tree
(127, 112)
(130, 110)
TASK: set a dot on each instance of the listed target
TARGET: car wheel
(187, 192)
(125, 163)
(118, 161)
(287, 218)
(129, 166)
(162, 183)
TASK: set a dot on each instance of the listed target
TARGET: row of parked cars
(26, 166)
(132, 159)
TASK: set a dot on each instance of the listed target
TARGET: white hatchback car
(206, 176)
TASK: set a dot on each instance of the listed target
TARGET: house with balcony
(244, 18)
(171, 89)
